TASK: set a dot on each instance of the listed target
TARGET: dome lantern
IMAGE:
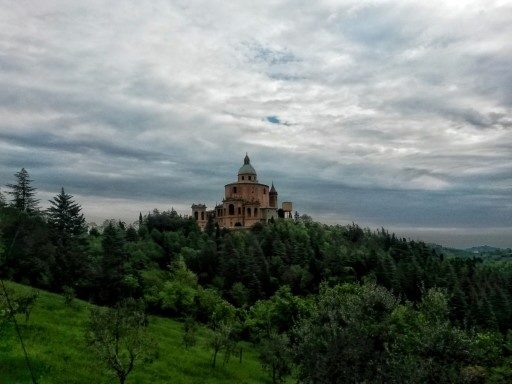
(247, 172)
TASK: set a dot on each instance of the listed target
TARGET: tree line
(326, 304)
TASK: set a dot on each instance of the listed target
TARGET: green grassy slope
(54, 338)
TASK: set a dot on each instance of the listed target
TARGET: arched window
(242, 178)
(239, 210)
(196, 215)
(234, 189)
(231, 209)
(202, 215)
(255, 212)
(249, 212)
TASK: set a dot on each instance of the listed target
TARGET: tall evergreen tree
(65, 218)
(67, 226)
(23, 193)
(112, 268)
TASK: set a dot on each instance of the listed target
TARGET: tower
(200, 215)
(272, 195)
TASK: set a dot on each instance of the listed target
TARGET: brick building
(246, 202)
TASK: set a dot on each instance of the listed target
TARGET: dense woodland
(324, 304)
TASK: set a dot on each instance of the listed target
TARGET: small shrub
(68, 295)
(189, 332)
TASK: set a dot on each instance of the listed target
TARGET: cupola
(247, 173)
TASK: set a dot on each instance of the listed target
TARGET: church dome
(247, 168)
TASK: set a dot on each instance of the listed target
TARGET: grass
(54, 338)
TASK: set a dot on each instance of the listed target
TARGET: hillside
(483, 249)
(54, 339)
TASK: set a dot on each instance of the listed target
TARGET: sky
(394, 114)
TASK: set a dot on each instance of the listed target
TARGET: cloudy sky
(386, 113)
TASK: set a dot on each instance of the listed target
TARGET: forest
(321, 303)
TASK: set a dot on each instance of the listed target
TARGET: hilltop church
(246, 202)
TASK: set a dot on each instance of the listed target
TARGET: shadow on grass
(13, 369)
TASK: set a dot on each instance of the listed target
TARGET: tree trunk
(214, 358)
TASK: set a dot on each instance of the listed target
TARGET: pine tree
(112, 266)
(65, 219)
(458, 306)
(210, 226)
(67, 226)
(23, 193)
(131, 234)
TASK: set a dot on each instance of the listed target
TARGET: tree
(23, 193)
(131, 234)
(424, 347)
(275, 356)
(222, 340)
(178, 294)
(210, 226)
(345, 338)
(12, 304)
(112, 266)
(189, 338)
(68, 229)
(65, 218)
(31, 253)
(118, 336)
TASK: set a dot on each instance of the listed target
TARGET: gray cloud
(394, 114)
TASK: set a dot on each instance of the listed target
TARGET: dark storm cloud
(53, 142)
(401, 111)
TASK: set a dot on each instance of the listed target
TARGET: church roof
(247, 167)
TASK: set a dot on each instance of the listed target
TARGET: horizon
(394, 115)
(457, 238)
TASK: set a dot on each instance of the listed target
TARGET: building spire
(246, 159)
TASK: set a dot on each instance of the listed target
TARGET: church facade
(245, 203)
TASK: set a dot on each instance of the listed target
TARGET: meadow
(55, 341)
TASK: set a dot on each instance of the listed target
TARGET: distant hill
(483, 249)
(451, 252)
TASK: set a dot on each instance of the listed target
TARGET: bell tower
(272, 197)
